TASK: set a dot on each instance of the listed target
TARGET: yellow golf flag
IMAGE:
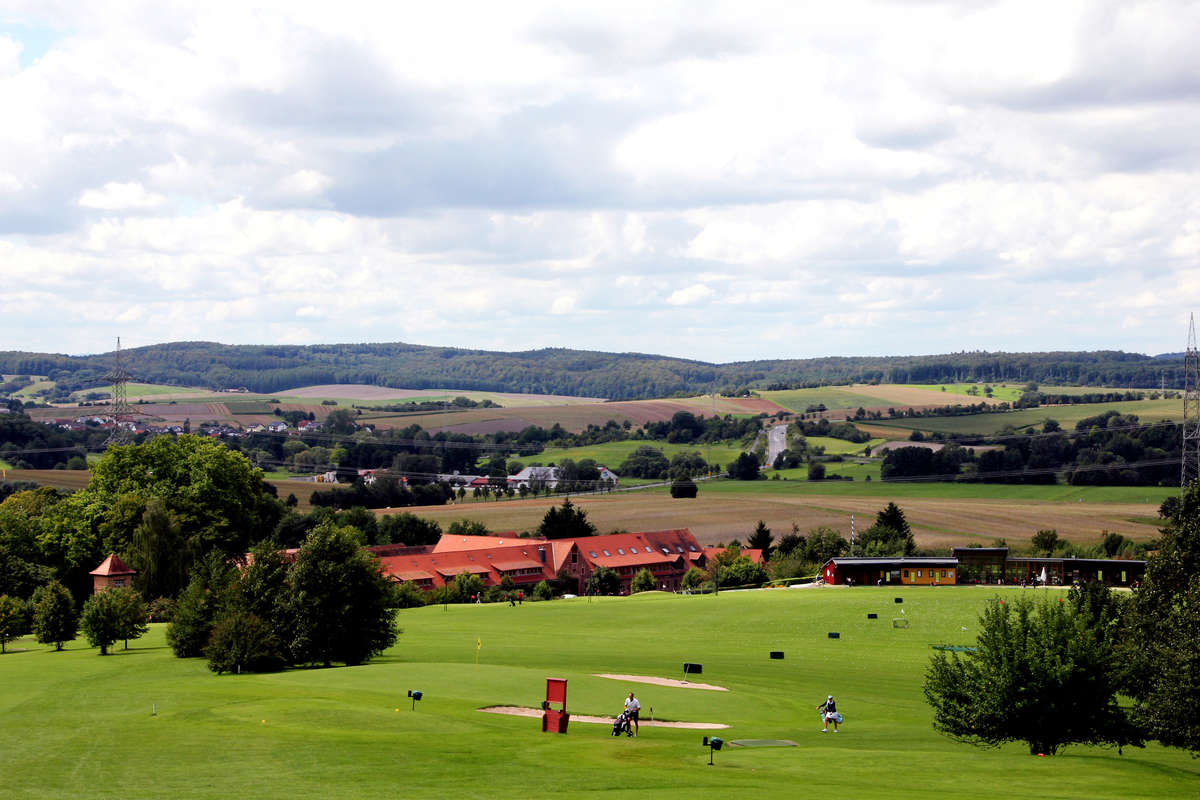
(478, 643)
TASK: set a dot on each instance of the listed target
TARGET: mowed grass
(611, 454)
(79, 725)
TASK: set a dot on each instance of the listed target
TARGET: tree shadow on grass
(1165, 770)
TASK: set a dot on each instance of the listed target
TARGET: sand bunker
(662, 682)
(519, 711)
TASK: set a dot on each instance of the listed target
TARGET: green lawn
(960, 392)
(79, 725)
(833, 398)
(611, 454)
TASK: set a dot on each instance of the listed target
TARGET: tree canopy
(1041, 674)
(565, 522)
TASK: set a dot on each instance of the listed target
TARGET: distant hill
(619, 376)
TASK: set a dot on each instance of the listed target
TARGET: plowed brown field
(936, 523)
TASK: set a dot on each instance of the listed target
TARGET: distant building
(112, 573)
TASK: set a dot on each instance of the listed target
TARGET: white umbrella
(1042, 577)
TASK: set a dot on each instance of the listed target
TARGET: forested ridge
(618, 376)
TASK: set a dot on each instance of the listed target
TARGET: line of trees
(1104, 450)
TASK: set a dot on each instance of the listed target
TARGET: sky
(710, 180)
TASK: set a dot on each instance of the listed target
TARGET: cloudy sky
(721, 181)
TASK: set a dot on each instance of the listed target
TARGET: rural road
(776, 442)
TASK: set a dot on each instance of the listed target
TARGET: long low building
(904, 571)
(982, 565)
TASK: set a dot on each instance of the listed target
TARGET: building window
(620, 551)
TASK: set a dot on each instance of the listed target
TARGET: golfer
(632, 706)
(828, 711)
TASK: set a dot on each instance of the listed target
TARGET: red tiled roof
(413, 575)
(451, 544)
(112, 566)
(507, 566)
(751, 553)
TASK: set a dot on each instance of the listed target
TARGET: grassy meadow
(1067, 416)
(79, 725)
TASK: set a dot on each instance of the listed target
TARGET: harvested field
(897, 395)
(382, 394)
(720, 517)
(58, 478)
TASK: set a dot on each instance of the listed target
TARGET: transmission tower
(120, 411)
(1191, 409)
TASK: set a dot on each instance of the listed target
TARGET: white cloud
(120, 197)
(897, 175)
(690, 296)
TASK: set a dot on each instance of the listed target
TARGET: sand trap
(662, 682)
(519, 711)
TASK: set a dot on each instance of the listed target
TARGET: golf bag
(621, 725)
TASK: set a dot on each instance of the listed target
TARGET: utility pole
(121, 413)
(1190, 469)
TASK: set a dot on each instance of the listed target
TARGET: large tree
(54, 617)
(1041, 674)
(744, 467)
(103, 619)
(565, 522)
(1164, 659)
(12, 620)
(342, 606)
(761, 539)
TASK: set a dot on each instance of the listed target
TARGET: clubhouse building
(526, 561)
(982, 565)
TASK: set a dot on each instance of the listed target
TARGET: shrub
(643, 582)
(684, 487)
(162, 609)
(409, 595)
(542, 591)
(243, 643)
(694, 578)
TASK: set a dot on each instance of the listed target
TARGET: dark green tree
(892, 517)
(824, 543)
(693, 578)
(12, 620)
(467, 527)
(603, 581)
(159, 552)
(1045, 542)
(135, 615)
(643, 582)
(744, 467)
(241, 642)
(54, 617)
(200, 605)
(103, 619)
(565, 522)
(645, 462)
(881, 541)
(1040, 675)
(343, 608)
(761, 539)
(1164, 660)
(684, 488)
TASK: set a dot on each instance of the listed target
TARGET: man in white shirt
(632, 706)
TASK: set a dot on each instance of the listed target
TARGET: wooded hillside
(621, 376)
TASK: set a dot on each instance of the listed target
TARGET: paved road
(776, 442)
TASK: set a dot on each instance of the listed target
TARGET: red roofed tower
(112, 572)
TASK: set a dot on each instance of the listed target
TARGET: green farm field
(611, 454)
(1067, 416)
(80, 725)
